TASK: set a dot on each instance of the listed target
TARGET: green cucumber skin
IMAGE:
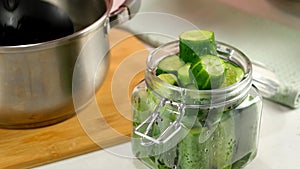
(206, 81)
(191, 153)
(191, 51)
(169, 64)
(223, 142)
(202, 82)
(169, 78)
(215, 152)
(186, 78)
(186, 53)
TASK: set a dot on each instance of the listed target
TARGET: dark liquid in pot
(31, 21)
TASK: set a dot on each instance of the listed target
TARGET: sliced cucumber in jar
(209, 72)
(169, 64)
(233, 74)
(196, 43)
(186, 78)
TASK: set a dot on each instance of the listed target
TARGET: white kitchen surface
(279, 146)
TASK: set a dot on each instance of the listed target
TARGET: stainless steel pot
(36, 79)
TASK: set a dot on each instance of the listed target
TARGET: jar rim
(225, 51)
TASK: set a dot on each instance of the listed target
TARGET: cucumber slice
(169, 78)
(209, 72)
(186, 77)
(169, 64)
(193, 154)
(196, 43)
(224, 142)
(233, 74)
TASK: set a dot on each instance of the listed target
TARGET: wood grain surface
(87, 131)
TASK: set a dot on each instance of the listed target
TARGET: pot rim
(65, 39)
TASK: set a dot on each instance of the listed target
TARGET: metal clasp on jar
(174, 128)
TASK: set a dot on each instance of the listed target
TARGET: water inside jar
(32, 21)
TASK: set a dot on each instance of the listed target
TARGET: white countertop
(279, 146)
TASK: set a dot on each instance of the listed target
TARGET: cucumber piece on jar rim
(209, 72)
(196, 43)
(169, 64)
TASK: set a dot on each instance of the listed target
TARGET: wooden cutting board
(90, 130)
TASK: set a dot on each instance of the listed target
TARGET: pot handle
(125, 12)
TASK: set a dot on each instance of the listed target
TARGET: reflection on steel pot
(37, 58)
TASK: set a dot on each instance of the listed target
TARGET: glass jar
(181, 128)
